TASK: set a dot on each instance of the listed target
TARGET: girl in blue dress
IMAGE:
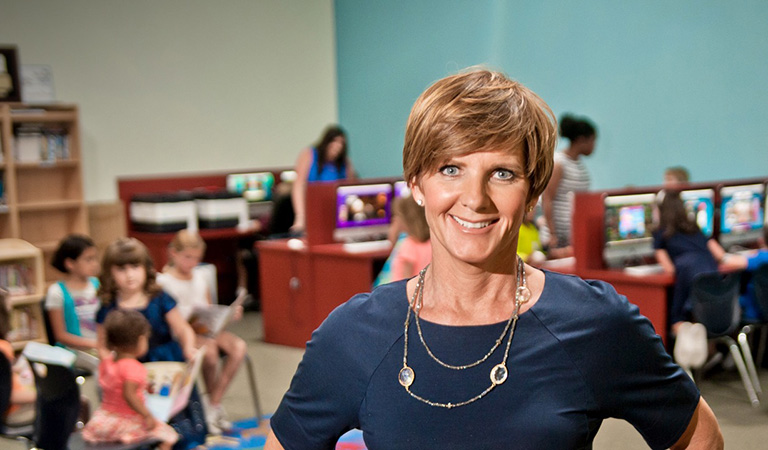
(128, 282)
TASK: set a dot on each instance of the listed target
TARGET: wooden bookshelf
(22, 274)
(42, 196)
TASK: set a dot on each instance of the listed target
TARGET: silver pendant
(406, 376)
(523, 294)
(499, 374)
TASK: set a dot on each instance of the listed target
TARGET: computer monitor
(402, 189)
(741, 215)
(255, 187)
(363, 212)
(700, 205)
(628, 225)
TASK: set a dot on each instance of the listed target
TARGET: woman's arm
(299, 189)
(272, 442)
(183, 332)
(717, 251)
(548, 198)
(351, 173)
(59, 328)
(703, 431)
(133, 400)
(662, 257)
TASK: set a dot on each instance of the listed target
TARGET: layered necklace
(499, 372)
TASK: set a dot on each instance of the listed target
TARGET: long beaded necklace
(499, 372)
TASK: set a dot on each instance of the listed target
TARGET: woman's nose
(475, 194)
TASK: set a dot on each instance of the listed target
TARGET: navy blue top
(162, 346)
(580, 354)
(691, 256)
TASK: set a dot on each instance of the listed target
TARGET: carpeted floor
(247, 435)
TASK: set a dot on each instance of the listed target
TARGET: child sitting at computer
(122, 415)
(190, 289)
(72, 303)
(749, 261)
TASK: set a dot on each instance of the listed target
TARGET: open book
(169, 384)
(209, 320)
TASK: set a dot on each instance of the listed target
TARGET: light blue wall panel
(667, 83)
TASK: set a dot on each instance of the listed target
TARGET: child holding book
(23, 395)
(122, 416)
(128, 282)
(191, 290)
(72, 303)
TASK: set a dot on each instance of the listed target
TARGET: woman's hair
(679, 173)
(673, 218)
(413, 217)
(480, 110)
(124, 327)
(71, 247)
(331, 133)
(122, 252)
(5, 320)
(572, 127)
(185, 239)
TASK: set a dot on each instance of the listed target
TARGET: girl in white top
(190, 289)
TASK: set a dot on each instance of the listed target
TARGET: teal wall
(666, 82)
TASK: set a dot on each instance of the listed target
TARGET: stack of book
(17, 279)
(38, 143)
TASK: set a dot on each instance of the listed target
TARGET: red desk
(221, 251)
(299, 288)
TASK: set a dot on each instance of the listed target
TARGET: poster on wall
(37, 84)
(10, 84)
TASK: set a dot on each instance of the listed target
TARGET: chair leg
(761, 345)
(254, 392)
(739, 360)
(747, 352)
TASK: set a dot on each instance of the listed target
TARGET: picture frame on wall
(10, 84)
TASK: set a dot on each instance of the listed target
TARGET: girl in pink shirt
(122, 416)
(414, 251)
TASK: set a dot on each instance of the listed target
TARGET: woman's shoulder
(572, 296)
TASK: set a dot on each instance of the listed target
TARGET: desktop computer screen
(700, 204)
(255, 187)
(363, 212)
(741, 215)
(628, 225)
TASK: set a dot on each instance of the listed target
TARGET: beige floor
(743, 427)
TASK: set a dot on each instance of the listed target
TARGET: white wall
(183, 85)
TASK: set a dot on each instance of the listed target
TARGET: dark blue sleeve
(631, 374)
(167, 302)
(324, 398)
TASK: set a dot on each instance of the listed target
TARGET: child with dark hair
(569, 175)
(122, 416)
(128, 283)
(22, 405)
(72, 303)
(684, 251)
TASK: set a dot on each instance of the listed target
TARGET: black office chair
(58, 405)
(715, 302)
(760, 283)
(22, 432)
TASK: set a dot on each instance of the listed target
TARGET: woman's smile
(473, 225)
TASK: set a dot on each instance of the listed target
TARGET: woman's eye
(449, 170)
(504, 174)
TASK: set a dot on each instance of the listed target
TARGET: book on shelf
(24, 323)
(17, 278)
(169, 384)
(209, 320)
(37, 143)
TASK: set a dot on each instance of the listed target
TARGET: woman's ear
(416, 192)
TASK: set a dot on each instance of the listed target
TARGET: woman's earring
(420, 202)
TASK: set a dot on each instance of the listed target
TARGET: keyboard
(366, 246)
(645, 269)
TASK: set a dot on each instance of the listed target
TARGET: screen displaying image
(628, 217)
(700, 206)
(255, 187)
(741, 208)
(402, 189)
(363, 205)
